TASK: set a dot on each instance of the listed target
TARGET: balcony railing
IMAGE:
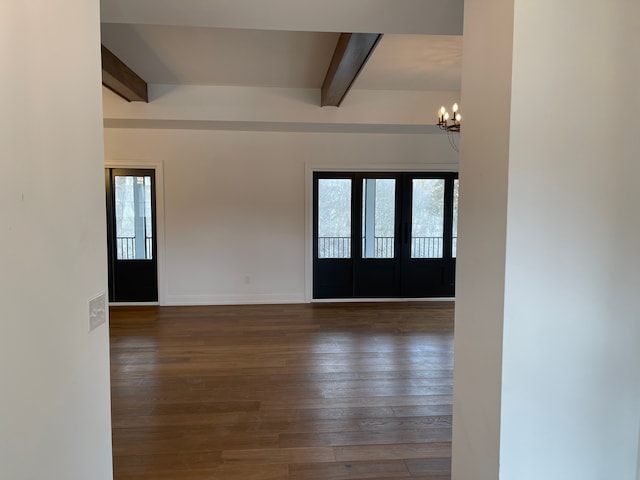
(334, 247)
(421, 247)
(383, 247)
(427, 247)
(126, 248)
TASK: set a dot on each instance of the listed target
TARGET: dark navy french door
(384, 234)
(131, 235)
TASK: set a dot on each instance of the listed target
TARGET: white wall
(261, 105)
(573, 360)
(570, 378)
(235, 202)
(54, 406)
(484, 164)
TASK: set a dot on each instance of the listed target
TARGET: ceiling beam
(351, 54)
(120, 79)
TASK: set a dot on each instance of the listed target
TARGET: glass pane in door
(134, 232)
(334, 218)
(378, 217)
(427, 218)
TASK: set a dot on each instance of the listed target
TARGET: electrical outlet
(97, 311)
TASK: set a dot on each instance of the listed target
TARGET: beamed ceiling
(289, 43)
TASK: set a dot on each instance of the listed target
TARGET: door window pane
(334, 218)
(378, 217)
(134, 237)
(454, 246)
(427, 218)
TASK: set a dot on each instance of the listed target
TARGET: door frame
(310, 169)
(158, 167)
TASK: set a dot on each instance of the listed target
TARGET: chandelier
(447, 122)
(450, 124)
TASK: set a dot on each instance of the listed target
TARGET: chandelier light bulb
(455, 107)
(458, 117)
(446, 116)
(442, 111)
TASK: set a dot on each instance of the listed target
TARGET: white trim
(134, 304)
(189, 300)
(266, 126)
(390, 167)
(308, 233)
(158, 166)
(383, 300)
(308, 203)
(234, 299)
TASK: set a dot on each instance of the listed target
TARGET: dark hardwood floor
(297, 392)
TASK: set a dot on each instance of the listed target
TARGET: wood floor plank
(380, 401)
(166, 462)
(282, 392)
(373, 437)
(393, 452)
(141, 441)
(267, 456)
(220, 472)
(429, 466)
(350, 470)
(245, 418)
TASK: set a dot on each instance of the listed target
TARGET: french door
(131, 235)
(384, 234)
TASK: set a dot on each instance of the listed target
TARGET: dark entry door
(131, 230)
(384, 235)
(377, 271)
(429, 235)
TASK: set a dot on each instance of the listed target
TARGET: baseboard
(382, 300)
(134, 304)
(254, 299)
(270, 299)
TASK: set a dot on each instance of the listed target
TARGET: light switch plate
(97, 311)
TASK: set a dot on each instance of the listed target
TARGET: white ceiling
(424, 17)
(414, 62)
(204, 46)
(222, 56)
